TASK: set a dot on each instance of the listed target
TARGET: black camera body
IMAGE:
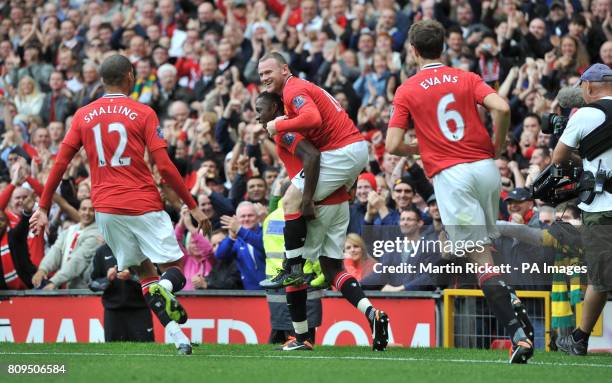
(558, 183)
(554, 124)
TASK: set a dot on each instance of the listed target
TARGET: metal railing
(469, 323)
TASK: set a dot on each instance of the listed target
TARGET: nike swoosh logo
(109, 257)
(289, 348)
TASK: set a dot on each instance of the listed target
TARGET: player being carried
(326, 233)
(458, 153)
(317, 116)
(115, 132)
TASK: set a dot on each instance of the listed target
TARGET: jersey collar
(432, 66)
(114, 95)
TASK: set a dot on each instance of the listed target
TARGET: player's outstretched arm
(500, 110)
(395, 143)
(308, 117)
(172, 177)
(311, 158)
(39, 220)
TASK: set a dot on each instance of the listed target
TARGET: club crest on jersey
(288, 139)
(160, 132)
(298, 101)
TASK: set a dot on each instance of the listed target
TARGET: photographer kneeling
(589, 131)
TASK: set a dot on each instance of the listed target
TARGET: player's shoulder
(144, 109)
(84, 113)
(406, 87)
(296, 85)
(464, 74)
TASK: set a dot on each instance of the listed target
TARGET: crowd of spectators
(196, 66)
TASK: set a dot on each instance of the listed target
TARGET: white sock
(166, 284)
(295, 253)
(300, 327)
(178, 337)
(363, 305)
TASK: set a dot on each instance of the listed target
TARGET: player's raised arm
(311, 158)
(500, 110)
(172, 177)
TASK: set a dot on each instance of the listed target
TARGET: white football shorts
(135, 238)
(339, 167)
(327, 232)
(468, 199)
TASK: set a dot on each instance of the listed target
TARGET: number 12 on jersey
(116, 160)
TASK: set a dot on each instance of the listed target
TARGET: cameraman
(591, 121)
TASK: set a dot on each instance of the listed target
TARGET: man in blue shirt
(245, 244)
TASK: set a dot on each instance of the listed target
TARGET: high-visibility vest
(274, 240)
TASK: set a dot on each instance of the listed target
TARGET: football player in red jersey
(115, 132)
(326, 233)
(457, 152)
(316, 115)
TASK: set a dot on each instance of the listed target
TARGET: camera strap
(600, 139)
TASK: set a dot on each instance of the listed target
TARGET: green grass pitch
(158, 363)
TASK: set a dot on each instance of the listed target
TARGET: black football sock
(352, 292)
(498, 298)
(295, 236)
(173, 279)
(521, 313)
(296, 303)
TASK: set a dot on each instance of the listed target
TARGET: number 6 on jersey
(444, 116)
(116, 160)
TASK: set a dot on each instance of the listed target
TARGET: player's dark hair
(427, 37)
(273, 99)
(280, 59)
(115, 69)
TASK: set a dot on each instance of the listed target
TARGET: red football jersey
(115, 131)
(442, 103)
(336, 130)
(286, 144)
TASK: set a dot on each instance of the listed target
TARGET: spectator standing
(244, 244)
(127, 317)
